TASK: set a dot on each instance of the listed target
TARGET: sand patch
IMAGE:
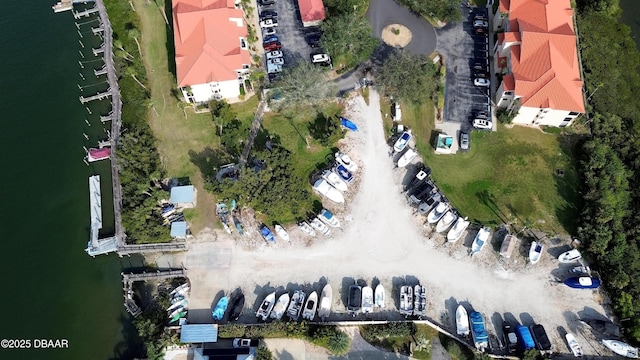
(396, 35)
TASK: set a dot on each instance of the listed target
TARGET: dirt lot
(384, 241)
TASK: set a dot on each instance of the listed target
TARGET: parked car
(480, 114)
(320, 58)
(480, 17)
(268, 14)
(276, 61)
(274, 54)
(482, 124)
(273, 76)
(268, 23)
(270, 39)
(272, 46)
(481, 31)
(314, 40)
(480, 74)
(481, 82)
(464, 141)
(479, 67)
(481, 24)
(268, 31)
(238, 342)
(266, 2)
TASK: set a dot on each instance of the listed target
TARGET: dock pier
(97, 30)
(98, 96)
(99, 50)
(105, 118)
(130, 278)
(80, 14)
(102, 71)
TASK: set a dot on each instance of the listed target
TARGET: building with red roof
(311, 12)
(211, 49)
(538, 59)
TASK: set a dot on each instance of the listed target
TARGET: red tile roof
(207, 41)
(311, 10)
(545, 65)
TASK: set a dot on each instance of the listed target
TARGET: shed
(199, 333)
(311, 12)
(183, 196)
(179, 229)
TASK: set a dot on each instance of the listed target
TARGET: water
(631, 17)
(52, 289)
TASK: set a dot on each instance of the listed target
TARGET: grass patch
(456, 350)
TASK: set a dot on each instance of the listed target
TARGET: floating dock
(98, 246)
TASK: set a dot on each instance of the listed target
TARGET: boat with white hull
(438, 212)
(458, 228)
(379, 296)
(344, 159)
(280, 307)
(407, 157)
(335, 180)
(447, 220)
(326, 298)
(406, 300)
(480, 240)
(282, 233)
(328, 218)
(462, 321)
(306, 228)
(267, 305)
(320, 226)
(535, 252)
(570, 256)
(420, 300)
(310, 306)
(621, 348)
(574, 346)
(367, 300)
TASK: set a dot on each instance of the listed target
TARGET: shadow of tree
(208, 160)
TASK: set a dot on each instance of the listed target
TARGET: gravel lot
(384, 241)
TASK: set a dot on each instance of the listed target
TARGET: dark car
(266, 2)
(479, 66)
(314, 40)
(480, 17)
(480, 74)
(268, 14)
(480, 114)
(273, 76)
(481, 31)
(272, 46)
(270, 39)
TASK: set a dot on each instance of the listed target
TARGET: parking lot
(290, 32)
(463, 50)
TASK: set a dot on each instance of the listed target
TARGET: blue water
(51, 288)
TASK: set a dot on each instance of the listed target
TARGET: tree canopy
(444, 10)
(303, 85)
(348, 35)
(408, 76)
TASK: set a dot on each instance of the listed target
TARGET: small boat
(402, 141)
(582, 269)
(238, 226)
(167, 208)
(379, 296)
(323, 187)
(266, 306)
(220, 309)
(267, 234)
(177, 311)
(280, 307)
(535, 252)
(176, 305)
(328, 218)
(582, 282)
(510, 337)
(63, 5)
(420, 300)
(407, 157)
(480, 239)
(462, 321)
(508, 244)
(335, 180)
(540, 337)
(406, 300)
(177, 298)
(345, 174)
(367, 300)
(95, 154)
(574, 346)
(282, 233)
(458, 228)
(180, 290)
(348, 124)
(306, 228)
(320, 226)
(570, 256)
(621, 348)
(525, 338)
(295, 306)
(480, 336)
(237, 307)
(427, 205)
(354, 300)
(447, 220)
(178, 316)
(344, 159)
(326, 298)
(310, 306)
(420, 177)
(422, 191)
(438, 212)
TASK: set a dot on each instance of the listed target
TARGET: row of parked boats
(179, 303)
(296, 305)
(335, 181)
(321, 223)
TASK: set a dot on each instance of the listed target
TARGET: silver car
(464, 141)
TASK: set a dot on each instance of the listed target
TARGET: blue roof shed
(199, 333)
(183, 195)
(179, 229)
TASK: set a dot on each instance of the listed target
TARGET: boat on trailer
(420, 300)
(621, 348)
(447, 220)
(480, 336)
(328, 218)
(282, 233)
(438, 212)
(458, 228)
(280, 307)
(367, 300)
(344, 159)
(220, 309)
(335, 180)
(406, 300)
(267, 305)
(310, 306)
(407, 157)
(462, 321)
(535, 252)
(326, 297)
(379, 296)
(295, 306)
(354, 300)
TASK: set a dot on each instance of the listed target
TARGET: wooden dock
(129, 249)
(98, 96)
(80, 14)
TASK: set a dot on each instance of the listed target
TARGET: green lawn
(507, 176)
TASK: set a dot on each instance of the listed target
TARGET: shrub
(331, 338)
(229, 331)
(392, 329)
(263, 353)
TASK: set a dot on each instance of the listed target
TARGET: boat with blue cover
(267, 234)
(344, 173)
(220, 309)
(582, 282)
(480, 336)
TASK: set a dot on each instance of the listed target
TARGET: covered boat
(508, 244)
(325, 189)
(295, 306)
(582, 282)
(98, 154)
(344, 173)
(447, 220)
(348, 124)
(344, 159)
(180, 290)
(510, 338)
(237, 307)
(320, 226)
(280, 307)
(379, 296)
(326, 298)
(420, 177)
(327, 217)
(570, 256)
(284, 235)
(525, 338)
(220, 309)
(402, 141)
(310, 306)
(178, 316)
(406, 300)
(367, 300)
(458, 228)
(540, 337)
(420, 300)
(480, 336)
(354, 300)
(438, 212)
(266, 306)
(407, 157)
(574, 346)
(306, 228)
(267, 234)
(480, 240)
(535, 252)
(335, 180)
(462, 321)
(621, 348)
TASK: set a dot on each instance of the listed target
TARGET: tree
(445, 10)
(263, 353)
(303, 85)
(408, 76)
(337, 7)
(348, 35)
(222, 113)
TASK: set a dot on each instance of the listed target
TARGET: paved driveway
(386, 12)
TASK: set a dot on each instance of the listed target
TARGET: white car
(331, 193)
(482, 82)
(480, 24)
(238, 342)
(268, 31)
(274, 54)
(482, 124)
(276, 61)
(267, 23)
(396, 112)
(320, 58)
